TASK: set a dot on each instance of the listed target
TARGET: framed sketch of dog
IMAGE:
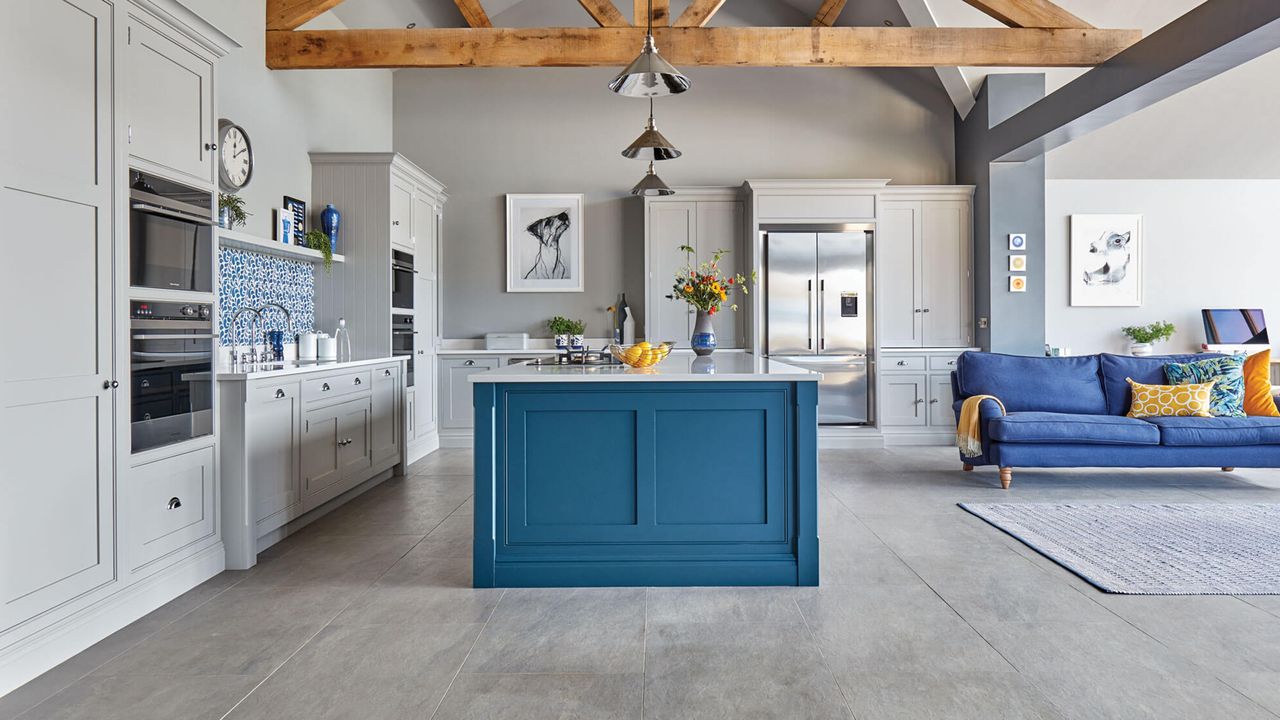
(1106, 260)
(544, 243)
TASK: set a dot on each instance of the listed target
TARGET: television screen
(1238, 326)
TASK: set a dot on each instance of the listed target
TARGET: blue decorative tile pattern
(252, 279)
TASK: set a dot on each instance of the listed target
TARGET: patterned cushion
(1227, 375)
(1190, 400)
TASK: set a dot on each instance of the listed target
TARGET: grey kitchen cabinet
(455, 389)
(335, 449)
(410, 413)
(58, 412)
(170, 103)
(172, 504)
(924, 268)
(706, 220)
(940, 398)
(273, 415)
(401, 214)
(915, 391)
(902, 400)
(385, 421)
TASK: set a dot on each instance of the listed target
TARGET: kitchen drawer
(272, 391)
(388, 370)
(945, 363)
(171, 505)
(902, 363)
(332, 386)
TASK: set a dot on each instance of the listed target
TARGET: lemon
(631, 354)
(644, 346)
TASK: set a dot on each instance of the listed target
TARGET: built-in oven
(170, 235)
(401, 280)
(402, 342)
(171, 346)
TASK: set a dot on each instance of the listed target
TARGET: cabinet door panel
(385, 421)
(57, 468)
(170, 104)
(401, 214)
(897, 258)
(720, 228)
(355, 454)
(456, 408)
(671, 224)
(272, 438)
(424, 231)
(320, 464)
(944, 273)
(902, 400)
(941, 415)
(171, 505)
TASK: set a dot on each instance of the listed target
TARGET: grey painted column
(1009, 199)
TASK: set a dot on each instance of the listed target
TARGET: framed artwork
(299, 211)
(1018, 283)
(1017, 263)
(1106, 260)
(544, 243)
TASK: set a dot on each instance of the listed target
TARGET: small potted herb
(568, 332)
(1142, 337)
(231, 212)
(317, 240)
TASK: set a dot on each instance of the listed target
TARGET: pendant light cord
(649, 19)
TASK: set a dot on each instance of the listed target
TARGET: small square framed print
(1017, 263)
(1018, 283)
(1017, 241)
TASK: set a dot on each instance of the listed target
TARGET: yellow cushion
(1257, 386)
(1190, 400)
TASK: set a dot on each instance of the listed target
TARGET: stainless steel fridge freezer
(818, 312)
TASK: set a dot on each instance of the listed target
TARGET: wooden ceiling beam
(661, 12)
(604, 12)
(828, 13)
(473, 13)
(290, 14)
(740, 46)
(1029, 13)
(698, 13)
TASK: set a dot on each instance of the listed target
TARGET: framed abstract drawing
(544, 243)
(1106, 260)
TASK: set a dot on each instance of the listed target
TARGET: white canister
(327, 348)
(307, 346)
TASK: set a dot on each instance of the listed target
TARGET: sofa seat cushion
(1050, 427)
(1060, 385)
(1217, 431)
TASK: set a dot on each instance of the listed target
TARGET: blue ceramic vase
(329, 220)
(704, 335)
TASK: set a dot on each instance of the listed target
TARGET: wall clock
(235, 156)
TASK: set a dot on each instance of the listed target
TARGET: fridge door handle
(809, 321)
(822, 314)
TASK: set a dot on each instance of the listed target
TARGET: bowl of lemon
(642, 354)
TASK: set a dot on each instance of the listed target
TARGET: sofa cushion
(1146, 370)
(1061, 385)
(1227, 375)
(1051, 427)
(1217, 431)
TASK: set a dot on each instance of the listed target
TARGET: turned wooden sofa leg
(968, 467)
(1006, 477)
(1228, 469)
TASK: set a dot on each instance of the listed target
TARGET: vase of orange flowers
(707, 289)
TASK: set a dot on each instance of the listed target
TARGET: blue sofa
(1071, 412)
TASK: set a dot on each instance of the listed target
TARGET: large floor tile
(1219, 632)
(542, 697)
(423, 590)
(373, 673)
(452, 538)
(342, 561)
(579, 630)
(945, 696)
(1260, 687)
(733, 670)
(446, 461)
(144, 698)
(722, 605)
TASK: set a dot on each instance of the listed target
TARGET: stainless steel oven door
(171, 382)
(401, 280)
(170, 245)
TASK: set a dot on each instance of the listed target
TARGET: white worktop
(728, 367)
(299, 368)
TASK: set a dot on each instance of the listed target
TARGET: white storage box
(506, 341)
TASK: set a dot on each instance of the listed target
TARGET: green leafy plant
(1155, 332)
(564, 326)
(705, 287)
(232, 207)
(317, 240)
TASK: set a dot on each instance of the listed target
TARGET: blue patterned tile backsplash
(249, 279)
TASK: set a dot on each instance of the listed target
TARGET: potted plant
(568, 332)
(231, 212)
(705, 288)
(1142, 337)
(317, 240)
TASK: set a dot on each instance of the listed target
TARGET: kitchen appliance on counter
(170, 235)
(818, 311)
(402, 273)
(402, 339)
(170, 371)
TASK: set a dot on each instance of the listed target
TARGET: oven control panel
(165, 310)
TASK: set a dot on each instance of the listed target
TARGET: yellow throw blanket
(969, 429)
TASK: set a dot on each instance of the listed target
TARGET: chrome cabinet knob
(211, 146)
(387, 373)
(174, 503)
(925, 310)
(919, 401)
(324, 387)
(933, 401)
(279, 392)
(919, 310)
(110, 384)
(951, 362)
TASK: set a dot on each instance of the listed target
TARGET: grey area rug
(1152, 549)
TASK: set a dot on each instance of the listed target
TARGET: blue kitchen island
(696, 472)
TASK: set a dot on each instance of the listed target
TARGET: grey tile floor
(924, 612)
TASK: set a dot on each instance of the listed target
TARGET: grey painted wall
(288, 114)
(486, 132)
(1009, 199)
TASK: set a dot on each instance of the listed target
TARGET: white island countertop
(728, 367)
(299, 367)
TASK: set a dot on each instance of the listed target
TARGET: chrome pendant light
(651, 145)
(651, 185)
(649, 75)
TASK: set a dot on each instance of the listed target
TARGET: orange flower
(688, 288)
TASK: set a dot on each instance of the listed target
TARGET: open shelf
(253, 243)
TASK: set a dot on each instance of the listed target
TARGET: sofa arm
(988, 410)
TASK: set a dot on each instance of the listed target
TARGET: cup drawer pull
(279, 393)
(174, 503)
(324, 387)
(357, 381)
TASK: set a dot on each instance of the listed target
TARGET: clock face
(236, 156)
